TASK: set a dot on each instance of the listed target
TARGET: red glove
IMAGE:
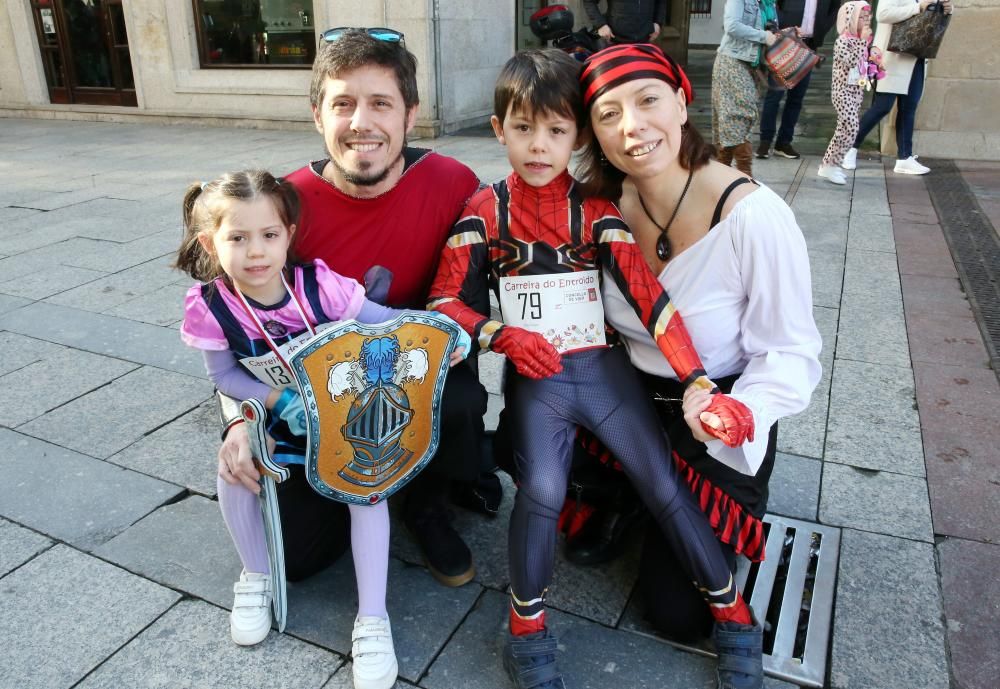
(730, 420)
(532, 355)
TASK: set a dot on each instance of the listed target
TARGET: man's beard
(364, 178)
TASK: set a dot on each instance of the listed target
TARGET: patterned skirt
(735, 98)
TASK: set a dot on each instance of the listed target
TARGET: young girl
(252, 304)
(850, 79)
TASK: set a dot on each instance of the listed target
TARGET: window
(701, 8)
(255, 33)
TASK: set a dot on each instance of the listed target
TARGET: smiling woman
(733, 260)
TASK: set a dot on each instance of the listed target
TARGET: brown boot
(724, 154)
(743, 155)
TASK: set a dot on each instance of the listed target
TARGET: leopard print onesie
(848, 52)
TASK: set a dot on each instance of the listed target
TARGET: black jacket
(790, 13)
(630, 20)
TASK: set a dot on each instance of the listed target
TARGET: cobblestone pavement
(115, 566)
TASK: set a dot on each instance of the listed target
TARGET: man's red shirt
(403, 229)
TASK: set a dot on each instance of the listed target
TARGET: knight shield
(372, 395)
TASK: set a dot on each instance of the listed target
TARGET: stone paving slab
(190, 647)
(20, 351)
(946, 339)
(72, 497)
(794, 487)
(872, 329)
(590, 656)
(322, 609)
(138, 342)
(823, 233)
(113, 417)
(926, 295)
(9, 303)
(184, 451)
(165, 306)
(19, 545)
(827, 270)
(876, 501)
(109, 257)
(971, 595)
(963, 477)
(64, 612)
(962, 390)
(873, 420)
(871, 273)
(113, 290)
(871, 233)
(185, 546)
(42, 386)
(53, 280)
(598, 593)
(887, 629)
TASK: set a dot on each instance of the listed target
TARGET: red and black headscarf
(614, 66)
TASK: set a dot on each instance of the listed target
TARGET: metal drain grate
(792, 594)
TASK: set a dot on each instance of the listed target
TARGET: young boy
(542, 248)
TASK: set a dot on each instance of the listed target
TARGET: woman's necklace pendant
(663, 247)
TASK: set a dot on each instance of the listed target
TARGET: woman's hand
(236, 464)
(770, 37)
(696, 401)
(656, 32)
(947, 6)
(605, 32)
(457, 356)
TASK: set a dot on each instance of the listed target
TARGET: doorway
(85, 51)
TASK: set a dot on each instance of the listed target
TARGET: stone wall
(957, 117)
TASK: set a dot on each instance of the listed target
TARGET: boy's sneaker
(530, 660)
(786, 151)
(850, 161)
(250, 620)
(374, 657)
(910, 166)
(740, 648)
(832, 173)
(764, 149)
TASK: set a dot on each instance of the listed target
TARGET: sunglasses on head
(378, 33)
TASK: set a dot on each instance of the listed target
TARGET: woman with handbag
(736, 78)
(902, 86)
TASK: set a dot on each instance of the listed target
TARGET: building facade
(242, 62)
(246, 62)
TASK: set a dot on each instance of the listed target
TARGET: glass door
(85, 51)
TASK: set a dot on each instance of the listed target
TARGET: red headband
(611, 67)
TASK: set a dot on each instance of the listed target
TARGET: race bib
(268, 369)
(565, 308)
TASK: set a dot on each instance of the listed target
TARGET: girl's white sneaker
(250, 620)
(850, 161)
(374, 657)
(832, 174)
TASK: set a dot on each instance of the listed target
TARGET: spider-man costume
(514, 229)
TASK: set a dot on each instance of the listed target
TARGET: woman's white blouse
(745, 294)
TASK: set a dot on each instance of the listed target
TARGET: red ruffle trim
(732, 524)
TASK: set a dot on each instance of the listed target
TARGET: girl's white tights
(369, 542)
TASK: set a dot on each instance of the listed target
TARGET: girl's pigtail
(191, 256)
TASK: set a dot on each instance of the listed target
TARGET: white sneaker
(832, 173)
(850, 161)
(910, 166)
(375, 664)
(250, 620)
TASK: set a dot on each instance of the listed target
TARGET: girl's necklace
(663, 248)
